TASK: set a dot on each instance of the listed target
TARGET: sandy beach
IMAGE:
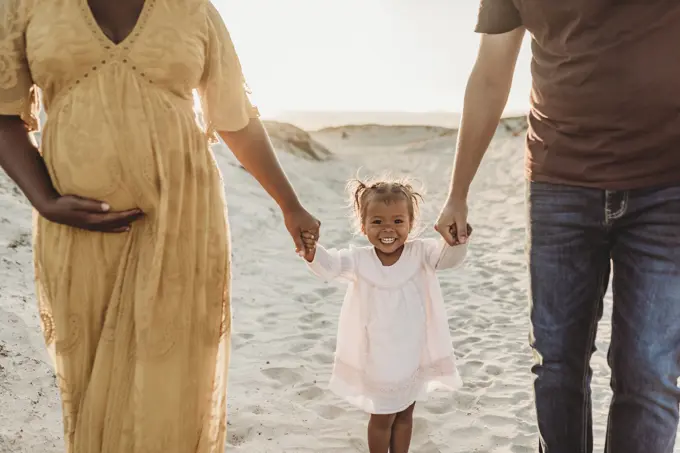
(285, 319)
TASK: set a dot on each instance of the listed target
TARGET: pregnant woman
(131, 242)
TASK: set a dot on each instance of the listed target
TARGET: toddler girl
(393, 342)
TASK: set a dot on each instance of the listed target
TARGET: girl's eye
(376, 222)
(398, 221)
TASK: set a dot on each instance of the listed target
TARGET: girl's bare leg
(402, 428)
(380, 432)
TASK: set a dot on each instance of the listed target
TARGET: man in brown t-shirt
(603, 170)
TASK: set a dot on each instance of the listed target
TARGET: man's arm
(486, 95)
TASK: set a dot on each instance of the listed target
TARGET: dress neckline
(104, 38)
(392, 276)
(375, 255)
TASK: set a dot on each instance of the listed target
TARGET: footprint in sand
(522, 449)
(255, 410)
(329, 412)
(325, 359)
(283, 376)
(313, 321)
(484, 275)
(312, 336)
(313, 392)
(358, 444)
(502, 294)
(500, 422)
(472, 367)
(307, 298)
(482, 383)
(429, 447)
(311, 318)
(494, 370)
(301, 347)
(464, 400)
(441, 406)
(239, 435)
(239, 340)
(471, 432)
(267, 320)
(310, 321)
(326, 292)
(470, 341)
(329, 344)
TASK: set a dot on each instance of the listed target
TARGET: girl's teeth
(387, 241)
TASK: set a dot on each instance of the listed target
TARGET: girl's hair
(386, 190)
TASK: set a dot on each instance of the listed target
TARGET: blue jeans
(576, 237)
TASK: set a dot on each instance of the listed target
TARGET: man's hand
(452, 223)
(300, 221)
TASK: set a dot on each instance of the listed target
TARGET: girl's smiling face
(387, 225)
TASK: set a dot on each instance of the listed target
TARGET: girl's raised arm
(332, 264)
(441, 255)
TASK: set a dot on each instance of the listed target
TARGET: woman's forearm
(23, 163)
(255, 152)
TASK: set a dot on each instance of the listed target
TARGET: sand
(285, 319)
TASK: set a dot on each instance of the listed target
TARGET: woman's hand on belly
(25, 165)
(88, 214)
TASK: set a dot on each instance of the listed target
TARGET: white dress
(393, 343)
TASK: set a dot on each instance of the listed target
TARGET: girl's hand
(309, 239)
(454, 232)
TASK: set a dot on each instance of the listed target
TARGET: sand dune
(284, 324)
(295, 141)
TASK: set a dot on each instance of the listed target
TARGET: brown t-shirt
(605, 99)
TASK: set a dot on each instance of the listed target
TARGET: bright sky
(360, 55)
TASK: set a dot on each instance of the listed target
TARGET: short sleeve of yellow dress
(17, 93)
(224, 97)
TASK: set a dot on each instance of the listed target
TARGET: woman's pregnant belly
(126, 158)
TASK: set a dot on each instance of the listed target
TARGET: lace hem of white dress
(440, 369)
(376, 397)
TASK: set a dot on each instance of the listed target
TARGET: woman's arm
(24, 164)
(253, 149)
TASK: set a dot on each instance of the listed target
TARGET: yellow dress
(137, 323)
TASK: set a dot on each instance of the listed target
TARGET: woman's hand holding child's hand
(309, 239)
